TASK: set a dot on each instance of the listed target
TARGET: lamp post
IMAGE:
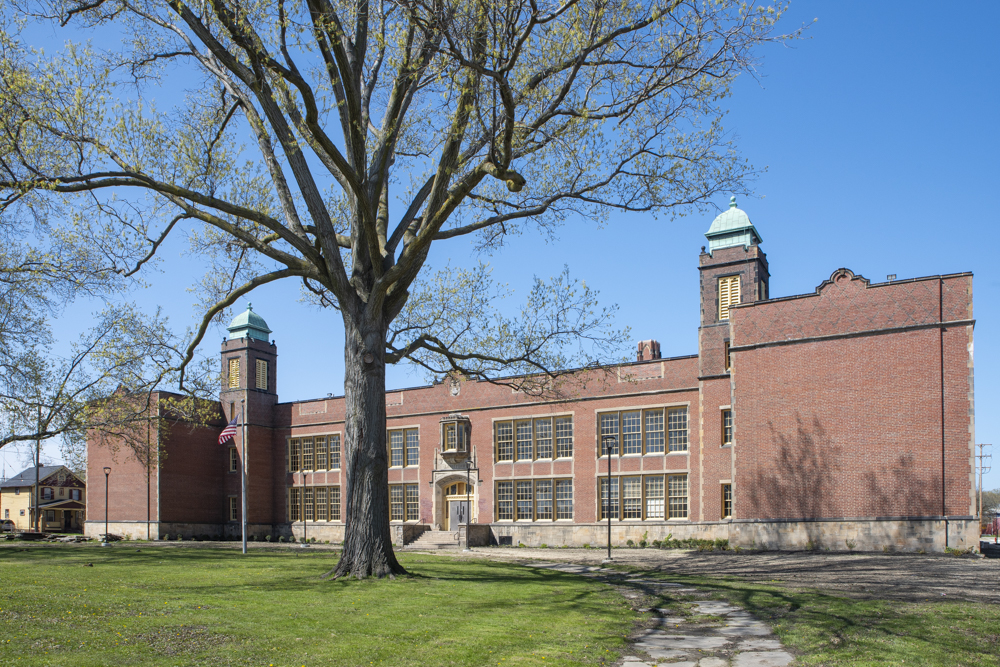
(468, 505)
(609, 442)
(305, 528)
(107, 473)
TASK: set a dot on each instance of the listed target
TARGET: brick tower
(733, 271)
(249, 365)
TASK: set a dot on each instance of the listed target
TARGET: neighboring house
(842, 416)
(62, 499)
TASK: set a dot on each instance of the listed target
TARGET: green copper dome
(731, 228)
(248, 325)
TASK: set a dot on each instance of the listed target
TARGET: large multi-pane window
(335, 451)
(677, 429)
(315, 503)
(729, 295)
(642, 431)
(234, 460)
(727, 427)
(532, 439)
(642, 497)
(321, 504)
(727, 501)
(294, 504)
(678, 487)
(320, 452)
(404, 447)
(314, 453)
(307, 454)
(505, 501)
(534, 500)
(404, 502)
(334, 496)
(307, 495)
(234, 508)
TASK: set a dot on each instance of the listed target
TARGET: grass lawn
(829, 629)
(141, 605)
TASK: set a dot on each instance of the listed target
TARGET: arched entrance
(457, 502)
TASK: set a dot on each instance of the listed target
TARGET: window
(505, 501)
(75, 494)
(727, 356)
(234, 460)
(47, 493)
(412, 502)
(609, 506)
(531, 439)
(404, 502)
(262, 374)
(22, 512)
(642, 497)
(17, 491)
(6, 514)
(319, 449)
(456, 436)
(631, 497)
(543, 500)
(677, 427)
(564, 437)
(335, 452)
(50, 516)
(234, 509)
(307, 454)
(321, 506)
(404, 447)
(234, 373)
(727, 501)
(678, 487)
(534, 500)
(524, 501)
(729, 295)
(524, 441)
(307, 495)
(505, 441)
(412, 447)
(334, 503)
(564, 499)
(654, 497)
(294, 508)
(642, 431)
(62, 492)
(727, 427)
(294, 455)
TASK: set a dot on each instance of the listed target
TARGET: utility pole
(983, 467)
(38, 455)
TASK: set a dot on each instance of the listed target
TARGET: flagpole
(243, 476)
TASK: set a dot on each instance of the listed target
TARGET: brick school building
(842, 418)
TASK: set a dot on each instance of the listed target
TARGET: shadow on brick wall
(901, 490)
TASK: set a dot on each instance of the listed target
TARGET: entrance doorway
(456, 506)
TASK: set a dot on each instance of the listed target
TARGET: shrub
(326, 542)
(281, 538)
(722, 544)
(850, 544)
(656, 544)
(586, 546)
(544, 545)
(630, 543)
(291, 539)
(166, 537)
(313, 540)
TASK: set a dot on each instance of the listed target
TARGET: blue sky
(878, 134)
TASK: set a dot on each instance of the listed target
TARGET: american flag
(230, 431)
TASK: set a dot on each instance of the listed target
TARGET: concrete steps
(436, 539)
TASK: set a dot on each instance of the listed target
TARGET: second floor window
(533, 439)
(648, 431)
(727, 427)
(404, 447)
(234, 460)
(729, 295)
(262, 374)
(47, 493)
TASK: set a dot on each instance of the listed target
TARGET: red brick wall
(849, 424)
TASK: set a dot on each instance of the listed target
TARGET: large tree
(336, 142)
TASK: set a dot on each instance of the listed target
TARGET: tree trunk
(367, 541)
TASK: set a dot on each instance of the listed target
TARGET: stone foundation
(890, 534)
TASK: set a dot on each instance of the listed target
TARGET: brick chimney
(648, 350)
